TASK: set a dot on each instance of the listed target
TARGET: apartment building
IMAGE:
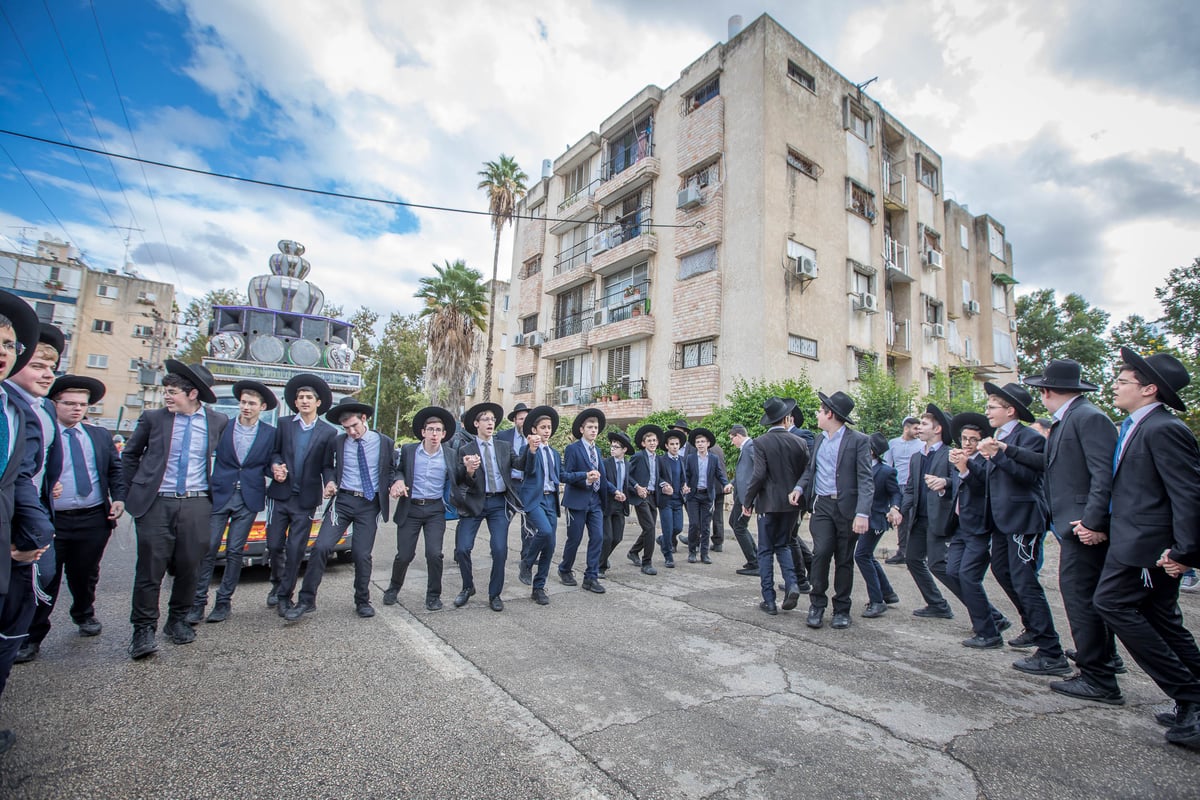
(477, 369)
(760, 217)
(118, 326)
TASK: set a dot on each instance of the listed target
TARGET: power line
(37, 194)
(304, 189)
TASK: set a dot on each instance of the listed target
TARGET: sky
(1073, 123)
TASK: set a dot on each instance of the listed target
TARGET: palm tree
(455, 305)
(505, 185)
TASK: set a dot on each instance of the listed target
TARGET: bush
(880, 402)
(745, 407)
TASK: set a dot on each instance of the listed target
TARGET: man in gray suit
(837, 489)
(739, 523)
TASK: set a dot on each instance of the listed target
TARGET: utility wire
(305, 189)
(37, 194)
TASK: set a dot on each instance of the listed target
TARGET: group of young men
(979, 492)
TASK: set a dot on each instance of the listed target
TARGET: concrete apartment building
(759, 217)
(119, 327)
(478, 365)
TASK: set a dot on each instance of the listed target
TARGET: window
(147, 297)
(968, 292)
(995, 241)
(697, 263)
(532, 267)
(538, 211)
(701, 95)
(568, 313)
(504, 305)
(700, 178)
(964, 237)
(575, 182)
(135, 364)
(861, 282)
(143, 331)
(860, 199)
(696, 354)
(999, 298)
(617, 360)
(801, 77)
(97, 361)
(45, 312)
(524, 384)
(927, 173)
(104, 290)
(856, 119)
(529, 324)
(56, 273)
(625, 288)
(862, 363)
(931, 239)
(968, 348)
(934, 311)
(102, 326)
(134, 400)
(803, 164)
(1002, 349)
(630, 147)
(564, 372)
(802, 346)
(96, 409)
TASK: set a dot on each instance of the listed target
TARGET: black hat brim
(618, 435)
(645, 429)
(81, 383)
(1023, 412)
(966, 418)
(879, 445)
(705, 432)
(345, 407)
(841, 413)
(26, 327)
(584, 416)
(1169, 395)
(943, 421)
(520, 407)
(537, 413)
(434, 412)
(468, 417)
(309, 381)
(774, 413)
(674, 434)
(270, 401)
(203, 390)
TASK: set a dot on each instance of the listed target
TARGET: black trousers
(79, 540)
(16, 613)
(429, 517)
(740, 525)
(802, 554)
(1142, 608)
(289, 527)
(699, 505)
(926, 557)
(999, 545)
(172, 536)
(902, 535)
(967, 561)
(614, 532)
(1023, 553)
(1079, 569)
(833, 540)
(344, 511)
(647, 516)
(718, 520)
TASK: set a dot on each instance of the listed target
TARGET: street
(672, 686)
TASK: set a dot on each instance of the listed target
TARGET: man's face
(485, 425)
(998, 413)
(519, 420)
(307, 402)
(355, 425)
(929, 431)
(433, 432)
(970, 441)
(701, 445)
(672, 446)
(8, 350)
(910, 430)
(544, 428)
(650, 442)
(1128, 394)
(250, 405)
(70, 407)
(738, 439)
(826, 421)
(176, 400)
(590, 429)
(38, 375)
(617, 449)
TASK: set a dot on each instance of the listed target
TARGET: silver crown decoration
(283, 322)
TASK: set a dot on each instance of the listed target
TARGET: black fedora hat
(797, 413)
(775, 409)
(468, 417)
(49, 334)
(1016, 395)
(879, 445)
(25, 325)
(1061, 374)
(81, 383)
(434, 412)
(645, 429)
(970, 418)
(681, 425)
(347, 405)
(195, 374)
(517, 410)
(537, 413)
(306, 380)
(943, 421)
(840, 403)
(584, 416)
(270, 401)
(674, 433)
(1164, 371)
(698, 432)
(615, 434)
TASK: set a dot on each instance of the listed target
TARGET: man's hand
(471, 463)
(958, 458)
(861, 525)
(56, 492)
(667, 490)
(935, 483)
(398, 489)
(794, 497)
(729, 488)
(330, 489)
(1087, 535)
(643, 492)
(593, 475)
(116, 510)
(989, 447)
(279, 472)
(534, 441)
(747, 511)
(619, 497)
(27, 556)
(1173, 568)
(895, 517)
(687, 489)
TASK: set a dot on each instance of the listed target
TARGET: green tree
(1048, 329)
(198, 317)
(505, 185)
(1180, 300)
(745, 407)
(455, 306)
(880, 402)
(401, 353)
(955, 391)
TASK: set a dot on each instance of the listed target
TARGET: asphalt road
(674, 686)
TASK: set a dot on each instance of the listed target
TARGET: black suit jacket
(108, 466)
(314, 473)
(970, 499)
(253, 473)
(473, 489)
(887, 494)
(743, 471)
(1016, 500)
(1156, 494)
(780, 460)
(144, 459)
(406, 465)
(941, 507)
(387, 469)
(611, 504)
(49, 458)
(855, 489)
(16, 494)
(639, 475)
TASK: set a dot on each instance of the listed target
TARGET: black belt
(827, 497)
(545, 493)
(77, 512)
(363, 495)
(495, 494)
(424, 501)
(183, 495)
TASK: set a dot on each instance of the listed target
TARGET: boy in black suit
(885, 505)
(616, 469)
(643, 475)
(705, 476)
(672, 492)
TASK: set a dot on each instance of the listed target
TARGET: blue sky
(1073, 123)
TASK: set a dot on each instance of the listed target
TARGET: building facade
(760, 217)
(500, 381)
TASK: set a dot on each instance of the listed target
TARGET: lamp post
(378, 381)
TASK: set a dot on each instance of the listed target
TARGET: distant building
(810, 232)
(500, 387)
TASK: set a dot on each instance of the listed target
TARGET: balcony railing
(573, 257)
(587, 191)
(624, 228)
(895, 255)
(899, 332)
(579, 322)
(623, 159)
(620, 305)
(895, 182)
(624, 389)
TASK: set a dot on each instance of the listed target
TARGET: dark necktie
(595, 462)
(364, 472)
(83, 481)
(1125, 426)
(489, 484)
(4, 440)
(185, 448)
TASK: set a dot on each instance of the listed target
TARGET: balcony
(622, 399)
(636, 169)
(895, 184)
(627, 241)
(895, 259)
(623, 317)
(571, 268)
(576, 208)
(568, 335)
(899, 334)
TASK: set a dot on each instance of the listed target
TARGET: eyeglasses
(13, 348)
(173, 392)
(971, 440)
(70, 404)
(1127, 381)
(488, 418)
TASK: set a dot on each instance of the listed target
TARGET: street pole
(378, 380)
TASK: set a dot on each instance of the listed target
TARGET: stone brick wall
(694, 391)
(532, 238)
(696, 307)
(701, 134)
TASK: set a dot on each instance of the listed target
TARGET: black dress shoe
(391, 596)
(669, 563)
(179, 632)
(769, 607)
(892, 599)
(7, 740)
(791, 598)
(936, 613)
(1043, 665)
(90, 627)
(539, 596)
(816, 617)
(805, 587)
(27, 652)
(874, 610)
(1117, 663)
(285, 603)
(433, 604)
(593, 586)
(649, 570)
(1167, 718)
(273, 596)
(1186, 730)
(634, 559)
(716, 548)
(220, 613)
(898, 558)
(705, 560)
(692, 558)
(496, 603)
(365, 610)
(1026, 639)
(1084, 689)
(841, 620)
(1003, 624)
(983, 642)
(747, 571)
(195, 615)
(297, 611)
(567, 578)
(525, 574)
(143, 643)
(462, 597)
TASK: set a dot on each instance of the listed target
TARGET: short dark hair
(909, 421)
(5, 322)
(1045, 422)
(738, 429)
(970, 426)
(174, 381)
(1141, 378)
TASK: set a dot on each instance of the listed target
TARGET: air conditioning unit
(567, 397)
(1012, 325)
(802, 267)
(537, 339)
(939, 331)
(868, 303)
(972, 306)
(604, 241)
(689, 198)
(933, 259)
(519, 340)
